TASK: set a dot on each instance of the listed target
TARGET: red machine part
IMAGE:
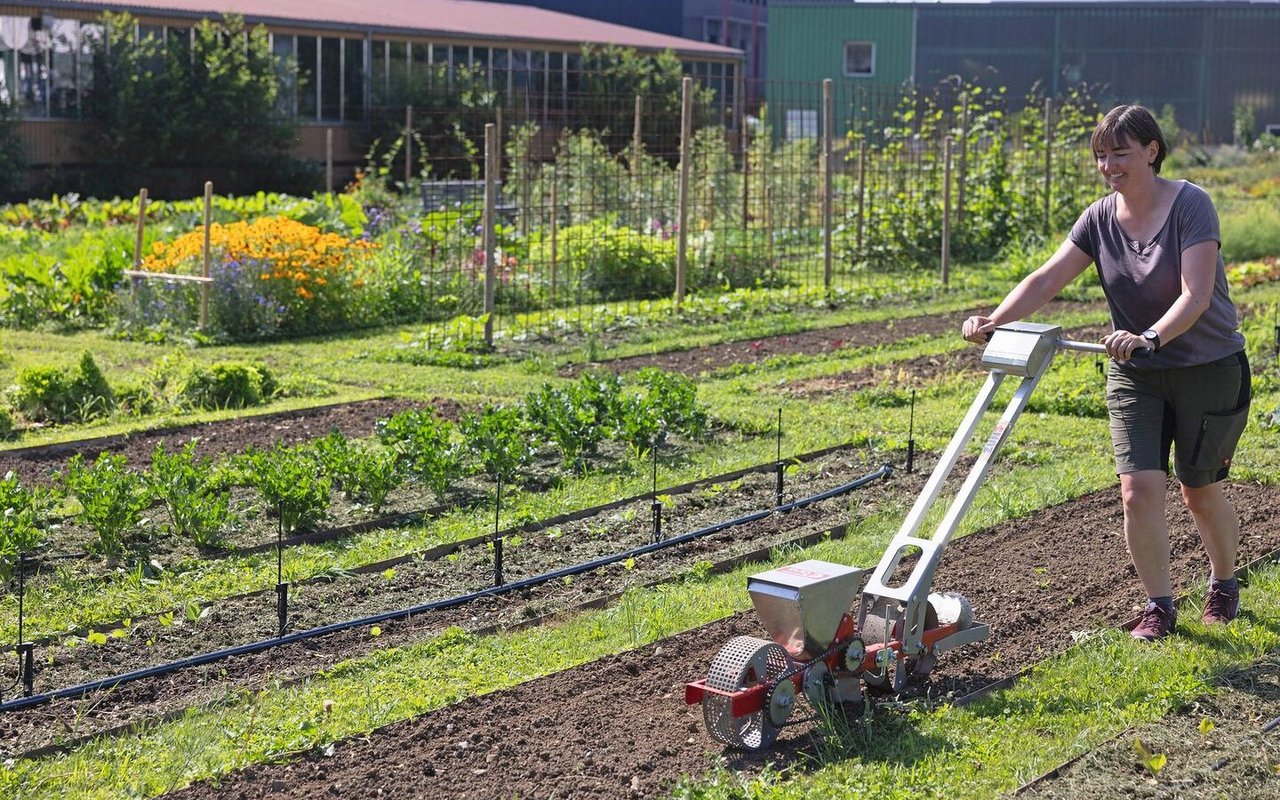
(749, 701)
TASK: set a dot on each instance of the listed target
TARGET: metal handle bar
(1094, 347)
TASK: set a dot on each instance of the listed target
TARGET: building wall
(701, 20)
(807, 44)
(1202, 59)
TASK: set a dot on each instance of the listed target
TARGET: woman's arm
(1032, 292)
(1199, 269)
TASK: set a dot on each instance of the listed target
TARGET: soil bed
(34, 465)
(618, 727)
(712, 358)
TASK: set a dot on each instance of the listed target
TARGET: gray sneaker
(1154, 623)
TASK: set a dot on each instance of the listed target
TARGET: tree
(608, 83)
(175, 109)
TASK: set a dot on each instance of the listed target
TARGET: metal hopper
(801, 604)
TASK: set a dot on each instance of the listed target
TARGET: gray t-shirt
(1142, 280)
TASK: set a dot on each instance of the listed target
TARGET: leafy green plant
(426, 448)
(6, 423)
(197, 507)
(361, 472)
(498, 439)
(228, 384)
(673, 398)
(63, 394)
(112, 497)
(289, 484)
(21, 514)
(614, 262)
(569, 419)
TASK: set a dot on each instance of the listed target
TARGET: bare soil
(713, 358)
(618, 727)
(35, 465)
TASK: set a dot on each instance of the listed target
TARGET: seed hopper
(836, 630)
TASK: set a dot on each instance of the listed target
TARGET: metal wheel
(741, 664)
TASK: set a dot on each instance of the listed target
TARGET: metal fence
(534, 224)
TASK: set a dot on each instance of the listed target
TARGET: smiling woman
(1157, 247)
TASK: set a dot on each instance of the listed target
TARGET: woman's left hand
(1121, 345)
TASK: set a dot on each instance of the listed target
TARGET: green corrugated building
(1205, 58)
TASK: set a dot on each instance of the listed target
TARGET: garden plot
(415, 579)
(618, 727)
(1009, 608)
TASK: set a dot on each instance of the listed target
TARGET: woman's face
(1124, 162)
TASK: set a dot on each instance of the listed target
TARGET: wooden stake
(828, 182)
(490, 199)
(686, 148)
(1048, 166)
(636, 142)
(408, 145)
(328, 160)
(555, 171)
(204, 270)
(946, 210)
(862, 191)
(142, 216)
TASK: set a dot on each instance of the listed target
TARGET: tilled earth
(618, 727)
(709, 359)
(34, 465)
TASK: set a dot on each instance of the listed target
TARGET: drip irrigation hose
(82, 689)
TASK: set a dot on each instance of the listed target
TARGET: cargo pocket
(1219, 434)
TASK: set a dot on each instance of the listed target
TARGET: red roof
(451, 19)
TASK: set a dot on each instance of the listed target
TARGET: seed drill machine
(835, 629)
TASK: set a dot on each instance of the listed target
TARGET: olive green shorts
(1200, 411)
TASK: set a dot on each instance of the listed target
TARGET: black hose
(438, 605)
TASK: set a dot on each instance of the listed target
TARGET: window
(802, 123)
(378, 87)
(282, 48)
(353, 73)
(330, 78)
(308, 86)
(859, 59)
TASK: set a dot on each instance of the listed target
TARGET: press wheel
(884, 624)
(743, 663)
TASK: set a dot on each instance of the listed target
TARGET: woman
(1157, 248)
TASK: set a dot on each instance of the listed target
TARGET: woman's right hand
(977, 329)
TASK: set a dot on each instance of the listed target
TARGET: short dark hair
(1130, 124)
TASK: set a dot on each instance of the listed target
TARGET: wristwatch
(1153, 339)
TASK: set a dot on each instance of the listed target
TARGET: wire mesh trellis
(609, 209)
(588, 211)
